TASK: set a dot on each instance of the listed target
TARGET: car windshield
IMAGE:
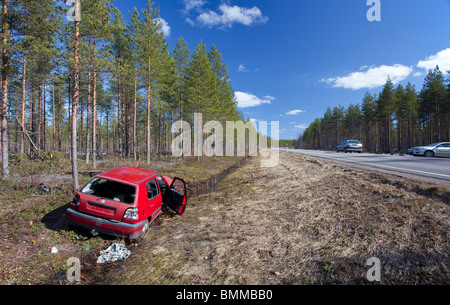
(112, 190)
(435, 144)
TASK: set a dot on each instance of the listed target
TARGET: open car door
(176, 196)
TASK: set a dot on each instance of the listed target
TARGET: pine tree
(226, 108)
(96, 28)
(400, 113)
(201, 93)
(153, 40)
(4, 100)
(181, 55)
(432, 99)
(384, 114)
(412, 108)
(75, 103)
(369, 119)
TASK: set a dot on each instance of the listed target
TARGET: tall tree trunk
(22, 117)
(39, 118)
(437, 137)
(88, 117)
(4, 100)
(59, 119)
(149, 141)
(135, 113)
(181, 111)
(44, 120)
(75, 101)
(54, 116)
(119, 121)
(94, 113)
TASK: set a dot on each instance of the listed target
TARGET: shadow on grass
(56, 221)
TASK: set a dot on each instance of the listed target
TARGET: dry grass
(32, 221)
(302, 222)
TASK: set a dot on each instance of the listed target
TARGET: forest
(392, 121)
(100, 85)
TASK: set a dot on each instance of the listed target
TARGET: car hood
(424, 147)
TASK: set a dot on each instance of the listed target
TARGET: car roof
(128, 174)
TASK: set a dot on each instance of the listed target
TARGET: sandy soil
(303, 222)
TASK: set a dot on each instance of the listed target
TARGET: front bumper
(416, 152)
(351, 149)
(102, 225)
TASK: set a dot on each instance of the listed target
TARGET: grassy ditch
(32, 207)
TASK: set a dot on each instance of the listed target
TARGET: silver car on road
(350, 146)
(441, 149)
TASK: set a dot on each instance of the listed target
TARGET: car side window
(162, 185)
(152, 189)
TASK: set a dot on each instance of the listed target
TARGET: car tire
(429, 154)
(144, 230)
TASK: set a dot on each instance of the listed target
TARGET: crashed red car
(125, 201)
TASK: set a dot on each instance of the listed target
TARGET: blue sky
(290, 59)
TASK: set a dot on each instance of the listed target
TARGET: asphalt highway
(436, 168)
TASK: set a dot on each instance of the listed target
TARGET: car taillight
(131, 214)
(76, 200)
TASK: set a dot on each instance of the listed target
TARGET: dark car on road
(350, 146)
(441, 149)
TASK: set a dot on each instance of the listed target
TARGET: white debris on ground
(115, 252)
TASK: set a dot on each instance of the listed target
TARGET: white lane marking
(447, 177)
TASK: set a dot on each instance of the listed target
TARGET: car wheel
(429, 154)
(144, 230)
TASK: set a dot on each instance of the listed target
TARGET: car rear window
(109, 189)
(354, 142)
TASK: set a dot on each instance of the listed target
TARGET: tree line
(101, 85)
(396, 119)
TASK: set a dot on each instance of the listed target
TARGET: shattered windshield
(112, 190)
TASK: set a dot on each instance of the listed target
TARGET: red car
(125, 201)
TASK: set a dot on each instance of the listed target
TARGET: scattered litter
(44, 188)
(115, 252)
(203, 218)
(168, 217)
(54, 250)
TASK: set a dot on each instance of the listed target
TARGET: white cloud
(269, 97)
(229, 15)
(441, 59)
(247, 100)
(295, 112)
(242, 68)
(190, 5)
(188, 20)
(165, 28)
(371, 78)
(301, 126)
